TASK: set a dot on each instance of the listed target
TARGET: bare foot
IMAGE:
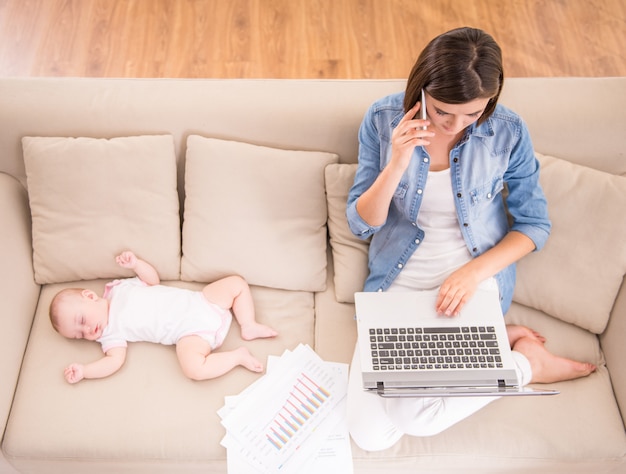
(255, 331)
(547, 367)
(516, 332)
(248, 361)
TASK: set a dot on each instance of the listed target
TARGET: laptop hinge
(380, 388)
(501, 383)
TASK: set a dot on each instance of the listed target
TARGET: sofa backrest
(579, 119)
(296, 115)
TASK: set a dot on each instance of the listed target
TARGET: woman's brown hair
(457, 67)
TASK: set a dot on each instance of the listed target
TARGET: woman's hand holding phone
(410, 132)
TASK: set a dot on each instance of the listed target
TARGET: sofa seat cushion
(581, 424)
(531, 428)
(93, 198)
(523, 433)
(256, 211)
(577, 275)
(148, 411)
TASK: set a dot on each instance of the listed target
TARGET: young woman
(451, 202)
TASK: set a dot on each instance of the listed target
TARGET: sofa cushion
(93, 198)
(349, 252)
(578, 273)
(148, 411)
(517, 429)
(255, 211)
(512, 432)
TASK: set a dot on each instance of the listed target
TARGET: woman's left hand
(455, 291)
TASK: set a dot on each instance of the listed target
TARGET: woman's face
(452, 119)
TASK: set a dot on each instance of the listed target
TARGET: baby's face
(83, 316)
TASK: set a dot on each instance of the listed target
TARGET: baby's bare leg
(199, 363)
(234, 292)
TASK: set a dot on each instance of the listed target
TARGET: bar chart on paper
(305, 399)
(290, 416)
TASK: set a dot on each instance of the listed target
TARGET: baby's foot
(547, 367)
(255, 330)
(516, 332)
(248, 360)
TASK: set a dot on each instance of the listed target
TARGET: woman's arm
(459, 287)
(530, 229)
(373, 204)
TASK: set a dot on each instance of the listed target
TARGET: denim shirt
(495, 180)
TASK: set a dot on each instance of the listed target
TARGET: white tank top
(443, 249)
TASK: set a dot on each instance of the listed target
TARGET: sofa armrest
(18, 291)
(612, 342)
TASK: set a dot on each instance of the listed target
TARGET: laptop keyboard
(470, 347)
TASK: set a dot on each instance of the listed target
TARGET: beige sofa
(255, 209)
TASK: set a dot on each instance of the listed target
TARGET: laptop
(407, 350)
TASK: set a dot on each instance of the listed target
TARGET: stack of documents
(293, 419)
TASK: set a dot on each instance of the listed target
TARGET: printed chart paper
(291, 419)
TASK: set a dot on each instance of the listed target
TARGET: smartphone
(423, 109)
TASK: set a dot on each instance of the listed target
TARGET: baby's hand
(126, 259)
(74, 373)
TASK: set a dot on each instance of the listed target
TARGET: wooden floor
(299, 38)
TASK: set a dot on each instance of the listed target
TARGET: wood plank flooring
(299, 38)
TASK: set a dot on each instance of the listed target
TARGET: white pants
(377, 423)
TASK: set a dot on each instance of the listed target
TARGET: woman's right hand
(373, 204)
(407, 135)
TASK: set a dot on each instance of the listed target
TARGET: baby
(140, 309)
